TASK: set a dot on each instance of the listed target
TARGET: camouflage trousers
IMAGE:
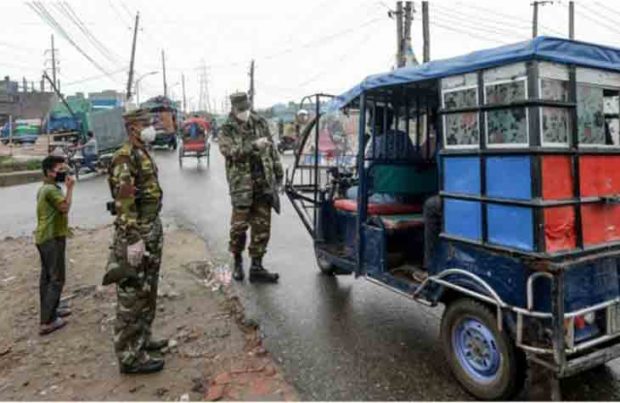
(137, 297)
(258, 217)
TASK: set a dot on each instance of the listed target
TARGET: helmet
(302, 116)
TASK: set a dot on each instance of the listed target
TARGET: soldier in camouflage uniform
(137, 246)
(254, 174)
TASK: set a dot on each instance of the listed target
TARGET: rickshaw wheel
(483, 359)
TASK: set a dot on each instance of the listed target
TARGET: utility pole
(426, 35)
(133, 56)
(251, 93)
(399, 34)
(163, 63)
(535, 4)
(184, 99)
(53, 61)
(571, 19)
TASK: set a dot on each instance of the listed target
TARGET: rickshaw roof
(544, 48)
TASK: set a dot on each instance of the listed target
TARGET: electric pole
(426, 35)
(399, 34)
(251, 92)
(133, 56)
(571, 19)
(535, 4)
(53, 61)
(163, 64)
(184, 99)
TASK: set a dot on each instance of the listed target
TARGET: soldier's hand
(135, 253)
(69, 181)
(262, 143)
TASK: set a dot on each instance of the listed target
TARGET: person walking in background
(50, 237)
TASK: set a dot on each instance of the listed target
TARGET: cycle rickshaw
(195, 140)
(520, 146)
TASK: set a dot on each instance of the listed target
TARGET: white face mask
(147, 135)
(243, 116)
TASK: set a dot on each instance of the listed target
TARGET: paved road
(336, 338)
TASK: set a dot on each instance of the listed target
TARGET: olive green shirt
(51, 222)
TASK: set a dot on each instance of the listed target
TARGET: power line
(600, 19)
(47, 17)
(477, 21)
(509, 19)
(449, 19)
(468, 33)
(91, 78)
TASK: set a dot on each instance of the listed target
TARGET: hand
(135, 253)
(69, 182)
(262, 143)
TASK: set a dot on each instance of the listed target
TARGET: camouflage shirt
(135, 188)
(236, 138)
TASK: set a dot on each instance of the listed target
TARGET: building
(108, 99)
(21, 104)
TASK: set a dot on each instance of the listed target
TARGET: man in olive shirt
(50, 237)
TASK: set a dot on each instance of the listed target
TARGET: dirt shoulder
(214, 353)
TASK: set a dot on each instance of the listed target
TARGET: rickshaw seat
(194, 145)
(399, 222)
(379, 209)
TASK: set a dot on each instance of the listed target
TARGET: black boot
(155, 345)
(259, 273)
(238, 269)
(146, 367)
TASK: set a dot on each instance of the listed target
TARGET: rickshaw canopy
(197, 121)
(542, 48)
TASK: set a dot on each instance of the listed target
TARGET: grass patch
(8, 164)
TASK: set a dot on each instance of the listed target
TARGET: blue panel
(511, 226)
(461, 175)
(509, 177)
(463, 218)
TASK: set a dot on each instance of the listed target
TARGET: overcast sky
(300, 47)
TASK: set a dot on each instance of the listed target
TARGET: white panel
(555, 71)
(464, 80)
(509, 72)
(598, 77)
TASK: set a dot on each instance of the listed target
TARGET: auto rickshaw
(515, 153)
(195, 140)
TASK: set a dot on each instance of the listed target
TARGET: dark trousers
(52, 279)
(432, 228)
(89, 162)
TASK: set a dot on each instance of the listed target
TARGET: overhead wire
(509, 19)
(449, 19)
(477, 21)
(48, 18)
(595, 17)
(468, 33)
(66, 10)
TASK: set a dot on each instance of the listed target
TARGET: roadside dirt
(216, 354)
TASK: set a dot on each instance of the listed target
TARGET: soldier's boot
(238, 268)
(145, 367)
(260, 274)
(155, 345)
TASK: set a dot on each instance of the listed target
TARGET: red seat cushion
(194, 146)
(379, 209)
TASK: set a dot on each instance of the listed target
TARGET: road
(335, 338)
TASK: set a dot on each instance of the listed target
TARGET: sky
(299, 47)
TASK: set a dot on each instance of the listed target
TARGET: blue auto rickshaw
(515, 152)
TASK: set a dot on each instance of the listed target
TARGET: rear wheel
(483, 359)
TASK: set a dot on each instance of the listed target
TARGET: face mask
(147, 135)
(60, 176)
(243, 116)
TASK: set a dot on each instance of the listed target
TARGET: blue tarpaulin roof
(540, 48)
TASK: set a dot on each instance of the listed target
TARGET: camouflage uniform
(137, 195)
(252, 178)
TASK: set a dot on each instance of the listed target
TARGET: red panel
(599, 174)
(560, 229)
(600, 223)
(557, 177)
(378, 209)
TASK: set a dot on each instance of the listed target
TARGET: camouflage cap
(137, 116)
(240, 101)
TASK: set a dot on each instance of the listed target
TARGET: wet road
(336, 338)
